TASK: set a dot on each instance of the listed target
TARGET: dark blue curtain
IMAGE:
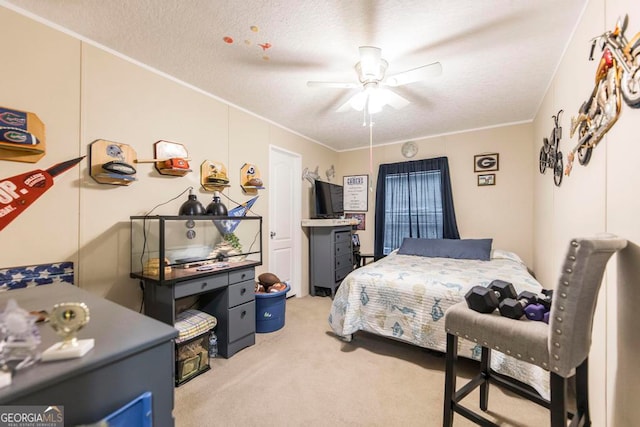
(413, 199)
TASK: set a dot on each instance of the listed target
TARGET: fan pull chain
(370, 154)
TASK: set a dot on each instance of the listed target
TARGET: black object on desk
(133, 354)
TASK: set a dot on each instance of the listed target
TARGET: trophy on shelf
(67, 319)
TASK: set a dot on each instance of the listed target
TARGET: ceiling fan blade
(356, 102)
(414, 75)
(395, 100)
(340, 85)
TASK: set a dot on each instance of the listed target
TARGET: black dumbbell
(528, 304)
(487, 299)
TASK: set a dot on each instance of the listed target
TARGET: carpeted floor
(302, 375)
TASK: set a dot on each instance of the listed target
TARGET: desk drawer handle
(243, 291)
(244, 313)
(204, 285)
(243, 275)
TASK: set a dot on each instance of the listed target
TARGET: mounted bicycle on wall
(550, 155)
(617, 74)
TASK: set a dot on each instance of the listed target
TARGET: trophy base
(59, 351)
(5, 379)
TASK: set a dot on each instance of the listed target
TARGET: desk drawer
(197, 286)
(241, 292)
(242, 275)
(242, 321)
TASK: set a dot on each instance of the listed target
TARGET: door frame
(296, 239)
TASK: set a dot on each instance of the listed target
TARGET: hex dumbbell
(487, 299)
(527, 304)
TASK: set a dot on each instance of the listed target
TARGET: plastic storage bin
(270, 310)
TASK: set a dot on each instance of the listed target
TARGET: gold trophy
(67, 319)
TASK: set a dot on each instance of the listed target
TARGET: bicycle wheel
(558, 169)
(543, 160)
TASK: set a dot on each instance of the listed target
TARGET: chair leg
(485, 366)
(558, 401)
(582, 392)
(450, 379)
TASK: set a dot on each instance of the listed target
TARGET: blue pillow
(479, 249)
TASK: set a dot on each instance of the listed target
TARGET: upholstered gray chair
(561, 347)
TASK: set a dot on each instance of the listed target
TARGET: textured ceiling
(498, 56)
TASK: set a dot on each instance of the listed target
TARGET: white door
(285, 205)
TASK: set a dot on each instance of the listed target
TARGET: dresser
(133, 354)
(330, 257)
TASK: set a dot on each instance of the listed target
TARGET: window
(413, 208)
(413, 199)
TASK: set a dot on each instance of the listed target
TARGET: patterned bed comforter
(405, 297)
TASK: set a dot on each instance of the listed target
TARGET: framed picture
(359, 216)
(355, 193)
(486, 179)
(485, 162)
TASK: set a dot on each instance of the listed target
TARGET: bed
(404, 297)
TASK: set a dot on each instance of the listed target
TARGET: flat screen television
(328, 199)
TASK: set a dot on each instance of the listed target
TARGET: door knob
(272, 234)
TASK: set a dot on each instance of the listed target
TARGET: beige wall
(478, 209)
(599, 197)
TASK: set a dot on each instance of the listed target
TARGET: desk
(364, 258)
(132, 354)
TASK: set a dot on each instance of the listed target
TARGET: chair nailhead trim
(508, 351)
(563, 295)
(561, 308)
(557, 344)
(566, 283)
(555, 356)
(466, 336)
(558, 331)
(497, 347)
(556, 369)
(519, 355)
(559, 319)
(568, 270)
(572, 258)
(533, 360)
(485, 343)
(574, 244)
(544, 364)
(475, 340)
(448, 329)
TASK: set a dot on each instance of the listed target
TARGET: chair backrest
(574, 301)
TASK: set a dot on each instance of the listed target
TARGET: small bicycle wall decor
(550, 155)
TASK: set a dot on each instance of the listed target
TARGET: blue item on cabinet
(270, 310)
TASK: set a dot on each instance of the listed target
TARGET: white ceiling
(498, 56)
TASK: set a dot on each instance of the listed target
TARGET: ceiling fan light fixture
(359, 100)
(371, 72)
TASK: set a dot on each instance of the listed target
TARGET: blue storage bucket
(270, 309)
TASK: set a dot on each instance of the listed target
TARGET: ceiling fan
(371, 70)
